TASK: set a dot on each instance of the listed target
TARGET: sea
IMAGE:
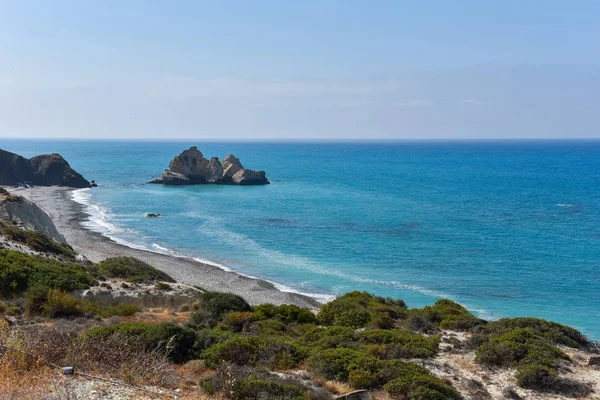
(506, 228)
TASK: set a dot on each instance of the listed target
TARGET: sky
(305, 70)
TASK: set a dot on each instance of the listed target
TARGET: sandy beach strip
(67, 216)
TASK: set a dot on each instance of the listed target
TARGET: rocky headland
(191, 168)
(42, 170)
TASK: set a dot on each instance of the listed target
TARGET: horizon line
(309, 140)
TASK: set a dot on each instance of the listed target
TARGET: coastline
(68, 217)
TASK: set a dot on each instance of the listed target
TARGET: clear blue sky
(299, 70)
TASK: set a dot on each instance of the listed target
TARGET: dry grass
(17, 385)
(22, 376)
(30, 357)
(160, 315)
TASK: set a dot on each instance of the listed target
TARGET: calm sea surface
(505, 228)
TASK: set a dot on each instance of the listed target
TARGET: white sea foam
(98, 221)
(97, 216)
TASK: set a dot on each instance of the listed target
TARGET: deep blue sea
(505, 228)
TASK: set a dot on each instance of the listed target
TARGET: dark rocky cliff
(43, 170)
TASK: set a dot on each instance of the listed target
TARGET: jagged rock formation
(190, 167)
(43, 170)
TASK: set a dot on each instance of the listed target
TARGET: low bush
(268, 327)
(286, 313)
(130, 269)
(517, 346)
(163, 286)
(444, 314)
(545, 379)
(176, 341)
(118, 310)
(237, 321)
(37, 241)
(421, 387)
(206, 338)
(254, 388)
(361, 309)
(251, 351)
(56, 303)
(19, 271)
(345, 311)
(338, 363)
(214, 306)
(61, 304)
(553, 332)
(322, 338)
(529, 344)
(35, 298)
(236, 382)
(401, 343)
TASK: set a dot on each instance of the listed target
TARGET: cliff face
(28, 215)
(190, 167)
(43, 170)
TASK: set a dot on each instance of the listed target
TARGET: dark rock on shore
(43, 170)
(190, 167)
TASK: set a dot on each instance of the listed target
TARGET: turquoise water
(505, 228)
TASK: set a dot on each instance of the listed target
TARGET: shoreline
(68, 217)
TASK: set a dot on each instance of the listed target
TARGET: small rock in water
(152, 215)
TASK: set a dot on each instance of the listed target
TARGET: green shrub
(363, 379)
(35, 298)
(286, 313)
(360, 309)
(12, 311)
(532, 350)
(37, 241)
(214, 306)
(345, 312)
(176, 341)
(14, 198)
(421, 387)
(237, 321)
(119, 310)
(553, 332)
(254, 388)
(130, 269)
(337, 363)
(163, 286)
(321, 338)
(268, 327)
(61, 304)
(516, 346)
(401, 343)
(445, 314)
(206, 338)
(252, 350)
(19, 271)
(544, 379)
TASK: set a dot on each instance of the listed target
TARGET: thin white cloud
(226, 87)
(413, 103)
(473, 101)
(345, 104)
